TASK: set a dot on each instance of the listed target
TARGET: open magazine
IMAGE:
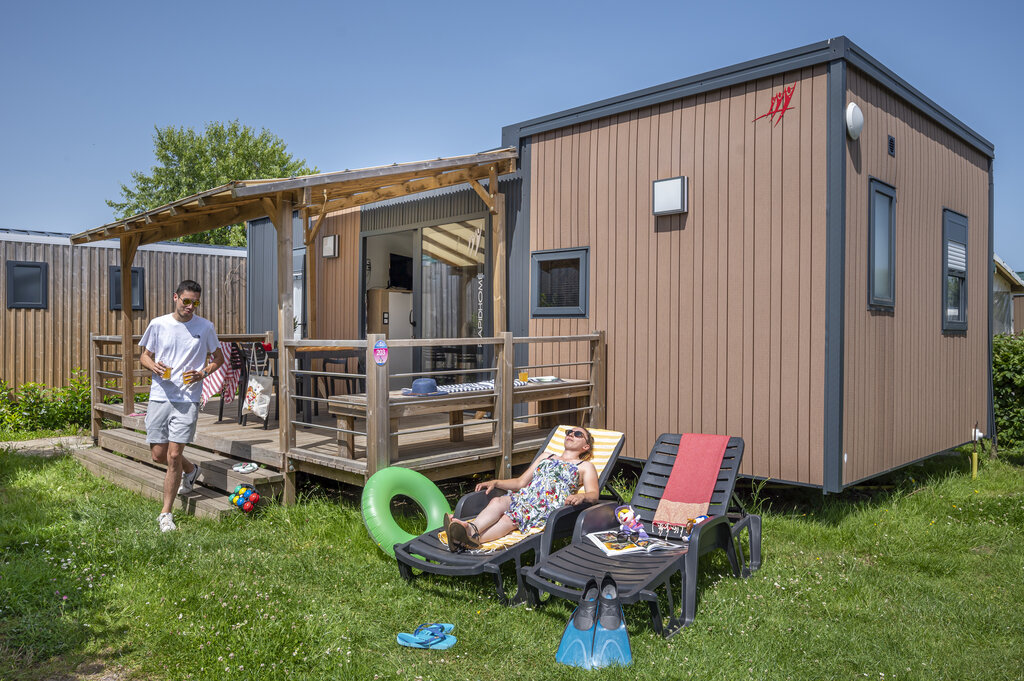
(617, 543)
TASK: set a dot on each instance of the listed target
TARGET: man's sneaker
(166, 522)
(188, 480)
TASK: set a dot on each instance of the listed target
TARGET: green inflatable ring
(385, 485)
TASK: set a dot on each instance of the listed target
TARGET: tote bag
(257, 391)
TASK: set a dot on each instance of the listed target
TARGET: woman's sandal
(459, 536)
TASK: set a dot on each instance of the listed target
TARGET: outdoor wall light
(671, 196)
(330, 246)
(854, 120)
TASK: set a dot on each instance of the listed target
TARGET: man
(177, 348)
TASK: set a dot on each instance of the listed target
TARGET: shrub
(1008, 388)
(33, 406)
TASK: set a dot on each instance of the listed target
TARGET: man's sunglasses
(188, 303)
(576, 433)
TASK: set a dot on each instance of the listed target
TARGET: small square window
(27, 285)
(954, 272)
(560, 283)
(138, 288)
(881, 240)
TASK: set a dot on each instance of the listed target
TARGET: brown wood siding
(1018, 313)
(909, 390)
(45, 346)
(715, 319)
(337, 279)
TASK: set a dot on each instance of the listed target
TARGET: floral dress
(553, 481)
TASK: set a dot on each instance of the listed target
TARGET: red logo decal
(780, 105)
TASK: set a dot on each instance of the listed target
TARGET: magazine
(616, 543)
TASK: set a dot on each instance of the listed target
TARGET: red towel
(691, 482)
(224, 380)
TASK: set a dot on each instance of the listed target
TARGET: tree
(189, 162)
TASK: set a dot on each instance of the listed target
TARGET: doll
(631, 523)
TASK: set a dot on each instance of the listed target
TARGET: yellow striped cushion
(605, 442)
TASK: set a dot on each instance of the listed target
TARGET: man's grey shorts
(171, 422)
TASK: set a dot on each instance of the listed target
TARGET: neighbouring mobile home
(55, 296)
(795, 249)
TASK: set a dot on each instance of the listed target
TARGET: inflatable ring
(385, 485)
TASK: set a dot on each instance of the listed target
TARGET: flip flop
(435, 629)
(425, 640)
(245, 467)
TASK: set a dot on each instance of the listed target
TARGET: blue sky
(350, 85)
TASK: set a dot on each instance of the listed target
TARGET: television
(400, 272)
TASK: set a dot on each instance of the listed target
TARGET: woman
(552, 481)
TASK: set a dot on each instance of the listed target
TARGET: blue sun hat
(423, 387)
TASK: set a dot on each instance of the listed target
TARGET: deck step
(215, 468)
(149, 482)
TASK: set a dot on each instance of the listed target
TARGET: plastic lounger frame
(640, 576)
(428, 554)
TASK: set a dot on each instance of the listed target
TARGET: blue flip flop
(426, 640)
(435, 628)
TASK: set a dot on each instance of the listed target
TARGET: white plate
(545, 379)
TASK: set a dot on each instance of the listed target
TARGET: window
(560, 283)
(27, 285)
(881, 229)
(138, 288)
(954, 271)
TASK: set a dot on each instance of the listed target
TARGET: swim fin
(578, 637)
(611, 641)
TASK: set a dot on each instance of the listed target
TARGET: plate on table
(545, 379)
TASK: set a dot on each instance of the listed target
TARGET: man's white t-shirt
(183, 346)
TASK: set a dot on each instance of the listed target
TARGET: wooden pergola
(313, 196)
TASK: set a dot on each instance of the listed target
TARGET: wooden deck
(316, 451)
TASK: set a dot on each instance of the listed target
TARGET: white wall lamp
(671, 196)
(330, 246)
(854, 120)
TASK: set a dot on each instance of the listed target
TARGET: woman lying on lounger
(552, 481)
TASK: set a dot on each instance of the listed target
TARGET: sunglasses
(576, 433)
(188, 303)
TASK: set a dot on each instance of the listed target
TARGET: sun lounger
(429, 552)
(639, 576)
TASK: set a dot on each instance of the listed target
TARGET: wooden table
(350, 407)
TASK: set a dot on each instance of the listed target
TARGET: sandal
(458, 534)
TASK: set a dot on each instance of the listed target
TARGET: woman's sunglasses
(576, 433)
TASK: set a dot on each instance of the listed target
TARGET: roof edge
(823, 52)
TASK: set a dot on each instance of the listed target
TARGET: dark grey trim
(517, 227)
(537, 257)
(835, 279)
(810, 55)
(875, 301)
(44, 287)
(991, 274)
(953, 229)
(114, 287)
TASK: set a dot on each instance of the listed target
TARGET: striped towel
(224, 380)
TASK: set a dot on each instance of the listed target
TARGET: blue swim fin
(611, 641)
(578, 637)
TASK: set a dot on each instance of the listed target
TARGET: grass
(917, 578)
(16, 435)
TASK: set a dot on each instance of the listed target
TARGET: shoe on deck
(166, 522)
(188, 480)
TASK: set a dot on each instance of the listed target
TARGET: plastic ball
(247, 506)
(240, 502)
(253, 498)
(238, 488)
(247, 493)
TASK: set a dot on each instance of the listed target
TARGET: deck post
(598, 380)
(94, 378)
(504, 383)
(378, 418)
(129, 244)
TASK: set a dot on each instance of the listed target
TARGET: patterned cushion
(605, 442)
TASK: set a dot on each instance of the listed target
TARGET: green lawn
(919, 580)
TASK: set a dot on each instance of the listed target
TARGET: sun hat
(423, 387)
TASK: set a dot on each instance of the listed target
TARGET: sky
(352, 85)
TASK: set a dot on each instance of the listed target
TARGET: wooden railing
(381, 440)
(107, 375)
